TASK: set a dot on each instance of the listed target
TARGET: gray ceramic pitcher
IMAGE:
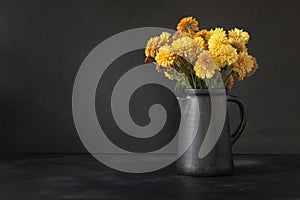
(219, 160)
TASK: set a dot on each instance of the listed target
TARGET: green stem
(227, 73)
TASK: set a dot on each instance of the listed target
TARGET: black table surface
(80, 176)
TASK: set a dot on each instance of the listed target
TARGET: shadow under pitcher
(218, 161)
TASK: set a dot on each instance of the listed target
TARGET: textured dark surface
(43, 43)
(51, 177)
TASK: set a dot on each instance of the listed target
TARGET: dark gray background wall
(42, 44)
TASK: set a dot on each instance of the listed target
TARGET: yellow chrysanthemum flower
(240, 46)
(224, 55)
(230, 82)
(200, 41)
(152, 46)
(204, 66)
(238, 35)
(243, 65)
(165, 57)
(218, 37)
(209, 34)
(187, 48)
(188, 25)
(164, 37)
(238, 39)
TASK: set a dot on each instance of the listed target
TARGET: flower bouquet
(194, 57)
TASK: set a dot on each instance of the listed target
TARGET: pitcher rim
(190, 91)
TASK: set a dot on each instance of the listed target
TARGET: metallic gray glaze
(219, 160)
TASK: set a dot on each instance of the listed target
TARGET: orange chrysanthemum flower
(202, 33)
(255, 67)
(230, 82)
(188, 25)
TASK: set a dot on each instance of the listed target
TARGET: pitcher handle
(243, 117)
